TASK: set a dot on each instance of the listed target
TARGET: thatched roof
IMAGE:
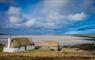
(20, 41)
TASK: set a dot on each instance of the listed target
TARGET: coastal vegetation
(78, 52)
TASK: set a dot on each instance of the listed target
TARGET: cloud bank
(49, 15)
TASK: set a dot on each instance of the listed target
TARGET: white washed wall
(22, 48)
(11, 49)
(17, 49)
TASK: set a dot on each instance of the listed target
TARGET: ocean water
(62, 39)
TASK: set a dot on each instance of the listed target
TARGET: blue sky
(46, 17)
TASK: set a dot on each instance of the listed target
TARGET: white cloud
(52, 14)
(14, 15)
(55, 19)
(51, 25)
(17, 19)
(76, 17)
(31, 22)
(55, 16)
(14, 10)
(51, 10)
(53, 5)
(72, 17)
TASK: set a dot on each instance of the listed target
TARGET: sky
(47, 17)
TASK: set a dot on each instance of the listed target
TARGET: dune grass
(77, 54)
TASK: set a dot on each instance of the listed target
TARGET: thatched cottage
(17, 44)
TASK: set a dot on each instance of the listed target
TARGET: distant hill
(3, 34)
(82, 35)
(92, 37)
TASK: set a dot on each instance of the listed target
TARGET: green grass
(67, 54)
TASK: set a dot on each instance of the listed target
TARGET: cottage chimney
(9, 42)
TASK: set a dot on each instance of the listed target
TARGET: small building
(50, 45)
(17, 44)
